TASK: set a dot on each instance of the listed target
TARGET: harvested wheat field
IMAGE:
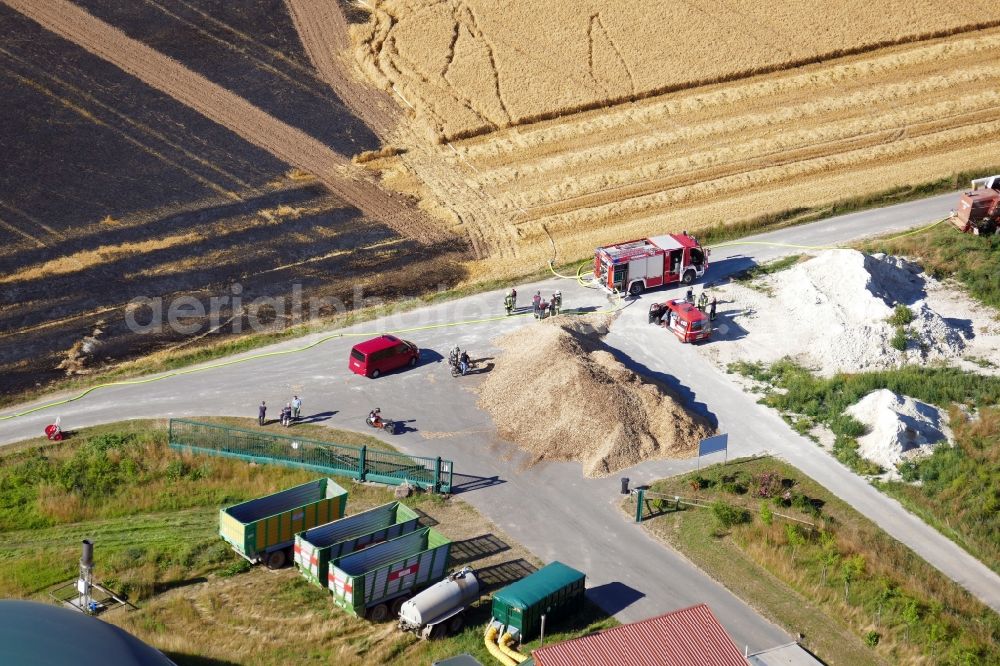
(474, 65)
(584, 127)
(556, 394)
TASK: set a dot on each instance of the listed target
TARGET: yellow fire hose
(490, 640)
(511, 653)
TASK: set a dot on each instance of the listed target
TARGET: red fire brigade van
(382, 354)
(686, 321)
(650, 262)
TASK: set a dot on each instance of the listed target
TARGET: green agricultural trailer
(315, 547)
(264, 529)
(376, 581)
(553, 590)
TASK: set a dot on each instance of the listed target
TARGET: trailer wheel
(397, 604)
(276, 559)
(688, 277)
(437, 632)
(378, 613)
(636, 288)
(456, 623)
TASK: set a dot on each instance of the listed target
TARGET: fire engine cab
(650, 262)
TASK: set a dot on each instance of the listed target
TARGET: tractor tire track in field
(285, 142)
(324, 32)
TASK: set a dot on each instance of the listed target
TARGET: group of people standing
(540, 307)
(704, 304)
(292, 411)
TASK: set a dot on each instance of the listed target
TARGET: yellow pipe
(490, 640)
(504, 644)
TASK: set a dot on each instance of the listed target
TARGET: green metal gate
(357, 462)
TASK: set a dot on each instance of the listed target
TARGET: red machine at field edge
(979, 208)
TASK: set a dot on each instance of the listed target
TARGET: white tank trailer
(439, 610)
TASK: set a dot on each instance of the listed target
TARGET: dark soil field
(111, 189)
(250, 48)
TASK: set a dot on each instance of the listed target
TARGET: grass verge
(960, 489)
(153, 515)
(945, 253)
(856, 594)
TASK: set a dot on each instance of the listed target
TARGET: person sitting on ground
(286, 414)
(375, 416)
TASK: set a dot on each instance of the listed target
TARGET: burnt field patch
(251, 49)
(299, 248)
(112, 190)
(82, 140)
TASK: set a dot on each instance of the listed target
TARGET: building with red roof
(687, 637)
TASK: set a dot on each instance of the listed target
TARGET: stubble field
(583, 124)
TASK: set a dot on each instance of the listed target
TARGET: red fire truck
(650, 262)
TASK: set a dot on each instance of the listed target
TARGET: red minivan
(381, 355)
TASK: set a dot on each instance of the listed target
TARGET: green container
(315, 548)
(554, 590)
(261, 526)
(364, 582)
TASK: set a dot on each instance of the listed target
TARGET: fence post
(170, 432)
(362, 462)
(437, 474)
(640, 498)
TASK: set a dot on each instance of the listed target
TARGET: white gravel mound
(830, 313)
(900, 428)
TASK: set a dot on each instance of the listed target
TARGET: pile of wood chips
(559, 396)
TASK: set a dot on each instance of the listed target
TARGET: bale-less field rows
(801, 137)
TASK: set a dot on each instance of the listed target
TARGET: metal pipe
(87, 558)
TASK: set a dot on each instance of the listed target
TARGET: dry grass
(88, 259)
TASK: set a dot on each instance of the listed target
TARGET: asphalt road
(551, 509)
